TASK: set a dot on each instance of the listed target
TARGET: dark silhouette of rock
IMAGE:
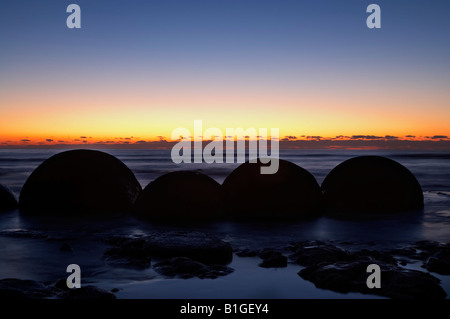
(370, 185)
(428, 248)
(245, 252)
(185, 268)
(180, 197)
(420, 250)
(314, 252)
(79, 182)
(439, 262)
(396, 282)
(23, 233)
(136, 252)
(272, 259)
(403, 262)
(31, 289)
(65, 247)
(309, 253)
(25, 289)
(195, 245)
(373, 255)
(8, 200)
(330, 267)
(435, 256)
(290, 193)
(87, 292)
(61, 284)
(407, 252)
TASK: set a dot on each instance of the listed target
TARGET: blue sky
(244, 54)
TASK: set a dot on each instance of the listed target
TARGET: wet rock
(396, 282)
(187, 268)
(79, 182)
(61, 284)
(31, 289)
(368, 185)
(180, 197)
(430, 247)
(8, 200)
(406, 255)
(36, 234)
(195, 245)
(313, 252)
(439, 262)
(372, 255)
(427, 245)
(132, 253)
(22, 233)
(404, 251)
(26, 289)
(308, 253)
(291, 193)
(65, 247)
(87, 292)
(245, 252)
(272, 259)
(403, 262)
(432, 253)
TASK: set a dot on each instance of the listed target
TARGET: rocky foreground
(31, 289)
(198, 255)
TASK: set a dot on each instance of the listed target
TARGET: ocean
(30, 247)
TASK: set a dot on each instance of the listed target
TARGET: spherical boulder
(372, 185)
(8, 200)
(290, 193)
(79, 182)
(180, 196)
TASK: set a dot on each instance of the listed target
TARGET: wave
(422, 155)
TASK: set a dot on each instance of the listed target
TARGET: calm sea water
(36, 255)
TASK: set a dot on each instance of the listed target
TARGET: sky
(137, 70)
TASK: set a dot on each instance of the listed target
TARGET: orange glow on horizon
(39, 115)
(134, 140)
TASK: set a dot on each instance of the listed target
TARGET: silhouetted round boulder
(372, 185)
(8, 200)
(79, 182)
(290, 193)
(180, 196)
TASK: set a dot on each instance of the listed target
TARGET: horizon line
(371, 143)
